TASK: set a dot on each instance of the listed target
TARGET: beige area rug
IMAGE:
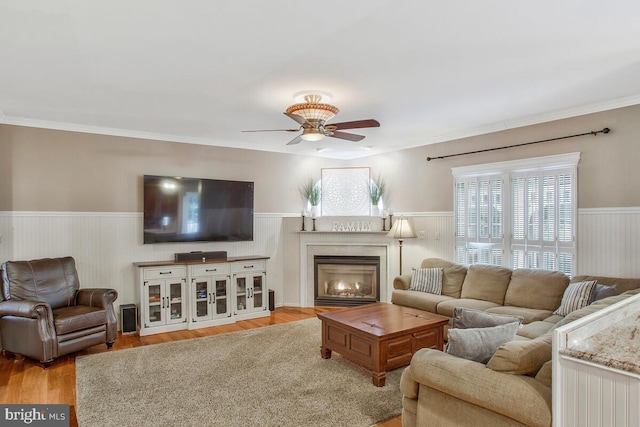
(271, 376)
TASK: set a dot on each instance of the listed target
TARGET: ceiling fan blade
(272, 130)
(348, 136)
(298, 119)
(295, 140)
(357, 124)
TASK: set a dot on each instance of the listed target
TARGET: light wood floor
(25, 381)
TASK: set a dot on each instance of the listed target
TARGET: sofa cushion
(77, 317)
(528, 314)
(420, 300)
(535, 329)
(521, 357)
(52, 280)
(554, 318)
(453, 275)
(479, 344)
(486, 282)
(427, 280)
(576, 296)
(445, 308)
(465, 318)
(536, 288)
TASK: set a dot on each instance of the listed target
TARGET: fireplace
(346, 280)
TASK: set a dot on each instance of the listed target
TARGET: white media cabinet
(175, 295)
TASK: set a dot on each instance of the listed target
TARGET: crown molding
(532, 120)
(463, 133)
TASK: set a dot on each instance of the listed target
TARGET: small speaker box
(200, 255)
(272, 300)
(128, 318)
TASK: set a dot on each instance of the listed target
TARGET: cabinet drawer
(209, 269)
(164, 272)
(257, 265)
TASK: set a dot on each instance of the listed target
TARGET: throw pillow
(426, 280)
(604, 291)
(479, 344)
(576, 296)
(467, 318)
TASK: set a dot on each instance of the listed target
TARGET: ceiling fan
(312, 116)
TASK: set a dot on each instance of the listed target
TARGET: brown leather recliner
(44, 314)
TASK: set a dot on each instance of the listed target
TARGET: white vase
(315, 212)
(375, 210)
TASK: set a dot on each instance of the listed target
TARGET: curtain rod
(594, 133)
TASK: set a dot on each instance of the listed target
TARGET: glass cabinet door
(241, 293)
(201, 298)
(174, 301)
(257, 291)
(154, 300)
(222, 306)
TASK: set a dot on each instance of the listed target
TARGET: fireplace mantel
(348, 233)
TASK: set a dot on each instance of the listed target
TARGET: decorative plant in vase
(377, 188)
(310, 191)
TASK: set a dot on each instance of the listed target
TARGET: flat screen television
(178, 209)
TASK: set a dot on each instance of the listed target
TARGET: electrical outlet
(422, 234)
(437, 235)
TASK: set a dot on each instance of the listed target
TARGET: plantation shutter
(479, 220)
(518, 214)
(543, 218)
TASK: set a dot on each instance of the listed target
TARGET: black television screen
(178, 209)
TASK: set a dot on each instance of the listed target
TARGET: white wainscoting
(105, 244)
(609, 242)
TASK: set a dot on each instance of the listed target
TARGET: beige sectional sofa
(514, 387)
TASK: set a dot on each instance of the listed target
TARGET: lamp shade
(401, 229)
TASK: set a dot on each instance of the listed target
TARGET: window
(518, 214)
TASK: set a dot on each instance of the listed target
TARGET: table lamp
(401, 230)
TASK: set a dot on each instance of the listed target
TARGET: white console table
(176, 295)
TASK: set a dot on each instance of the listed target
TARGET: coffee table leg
(379, 378)
(325, 352)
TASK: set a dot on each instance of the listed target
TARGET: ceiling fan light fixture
(313, 109)
(312, 116)
(312, 135)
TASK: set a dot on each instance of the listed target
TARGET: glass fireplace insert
(346, 280)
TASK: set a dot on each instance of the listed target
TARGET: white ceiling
(199, 71)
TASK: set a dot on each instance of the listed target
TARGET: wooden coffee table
(380, 336)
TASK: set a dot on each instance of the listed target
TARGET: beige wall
(608, 172)
(47, 170)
